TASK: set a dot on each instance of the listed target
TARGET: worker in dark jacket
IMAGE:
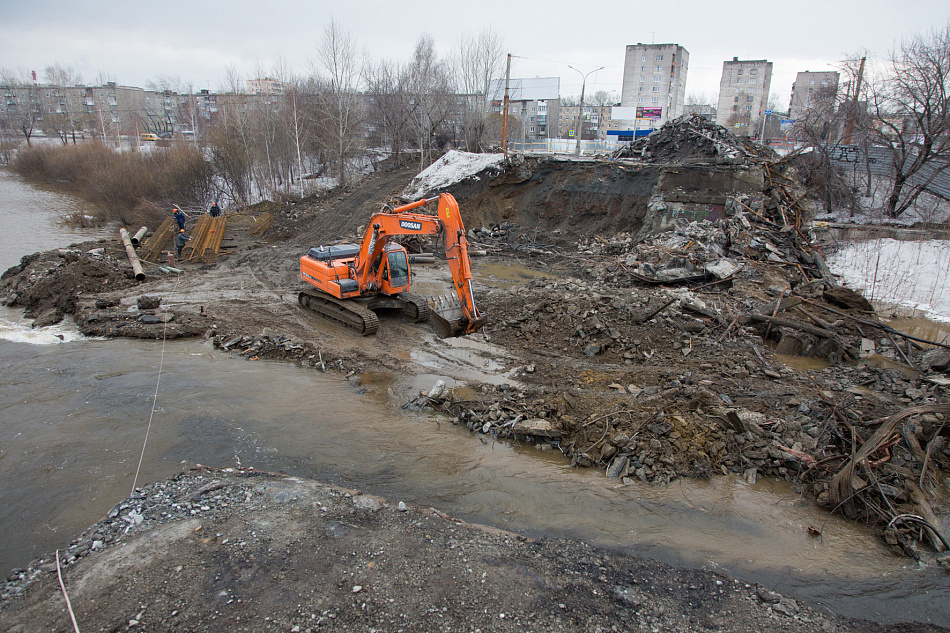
(215, 210)
(180, 242)
(179, 218)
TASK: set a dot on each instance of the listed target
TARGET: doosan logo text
(412, 226)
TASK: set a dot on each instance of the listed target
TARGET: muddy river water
(74, 415)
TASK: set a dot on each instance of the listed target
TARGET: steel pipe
(133, 258)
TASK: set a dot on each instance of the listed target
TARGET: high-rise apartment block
(654, 79)
(812, 90)
(744, 95)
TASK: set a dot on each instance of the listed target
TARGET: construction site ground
(589, 349)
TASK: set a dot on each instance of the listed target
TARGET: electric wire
(62, 585)
(151, 414)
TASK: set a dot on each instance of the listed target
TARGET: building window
(656, 79)
(644, 58)
(748, 107)
(659, 58)
(753, 71)
(736, 99)
(640, 89)
(655, 100)
(532, 128)
(752, 80)
(657, 69)
(643, 69)
(740, 71)
(735, 108)
(812, 82)
(532, 108)
(642, 78)
(656, 88)
(639, 99)
(749, 98)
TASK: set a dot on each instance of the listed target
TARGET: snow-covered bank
(911, 274)
(453, 167)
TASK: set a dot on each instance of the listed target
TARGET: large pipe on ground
(139, 235)
(133, 258)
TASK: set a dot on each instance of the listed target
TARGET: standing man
(215, 210)
(180, 241)
(179, 218)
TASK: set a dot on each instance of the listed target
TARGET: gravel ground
(230, 550)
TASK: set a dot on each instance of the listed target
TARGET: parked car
(148, 136)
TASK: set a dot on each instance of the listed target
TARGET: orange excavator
(352, 280)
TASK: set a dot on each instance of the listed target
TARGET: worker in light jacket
(180, 241)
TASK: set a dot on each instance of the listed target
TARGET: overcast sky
(132, 42)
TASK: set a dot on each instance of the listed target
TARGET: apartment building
(593, 122)
(534, 102)
(744, 95)
(654, 76)
(812, 90)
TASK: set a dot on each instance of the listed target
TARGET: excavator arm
(401, 221)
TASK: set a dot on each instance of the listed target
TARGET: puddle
(917, 325)
(803, 363)
(504, 275)
(467, 359)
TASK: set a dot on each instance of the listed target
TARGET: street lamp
(580, 111)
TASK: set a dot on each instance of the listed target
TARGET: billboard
(649, 113)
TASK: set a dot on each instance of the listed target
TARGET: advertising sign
(649, 113)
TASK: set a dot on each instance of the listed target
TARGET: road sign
(768, 112)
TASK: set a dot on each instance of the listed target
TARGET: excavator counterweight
(352, 280)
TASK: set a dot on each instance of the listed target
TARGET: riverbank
(242, 550)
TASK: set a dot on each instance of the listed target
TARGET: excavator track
(349, 313)
(416, 309)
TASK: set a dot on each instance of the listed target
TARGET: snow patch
(912, 274)
(453, 167)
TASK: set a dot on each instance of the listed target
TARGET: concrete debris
(693, 138)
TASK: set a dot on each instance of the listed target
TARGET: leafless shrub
(117, 183)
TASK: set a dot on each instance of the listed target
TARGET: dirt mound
(48, 285)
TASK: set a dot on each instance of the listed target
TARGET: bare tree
(27, 108)
(432, 96)
(66, 112)
(342, 64)
(910, 116)
(476, 62)
(389, 116)
(604, 98)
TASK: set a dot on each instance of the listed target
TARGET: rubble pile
(693, 139)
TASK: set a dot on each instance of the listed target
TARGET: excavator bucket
(449, 319)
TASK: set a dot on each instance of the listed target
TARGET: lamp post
(580, 111)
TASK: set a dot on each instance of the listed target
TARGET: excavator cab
(396, 271)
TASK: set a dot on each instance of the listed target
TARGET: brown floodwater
(75, 416)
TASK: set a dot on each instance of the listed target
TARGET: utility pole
(504, 110)
(579, 131)
(853, 109)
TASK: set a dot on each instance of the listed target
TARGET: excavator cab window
(398, 268)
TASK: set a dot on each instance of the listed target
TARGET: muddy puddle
(75, 416)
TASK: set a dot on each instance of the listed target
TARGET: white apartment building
(654, 76)
(811, 90)
(534, 102)
(744, 95)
